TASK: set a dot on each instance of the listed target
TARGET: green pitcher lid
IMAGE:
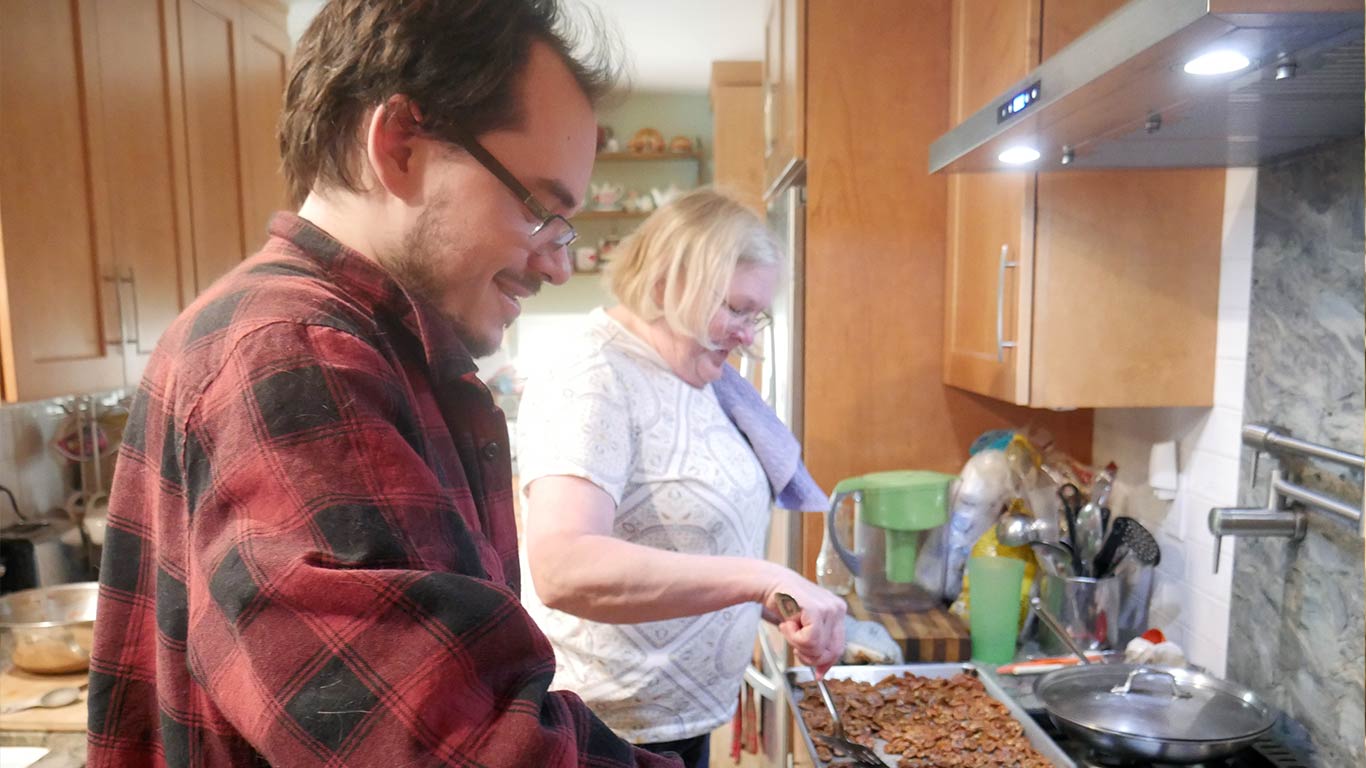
(903, 499)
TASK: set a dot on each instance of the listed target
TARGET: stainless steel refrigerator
(780, 378)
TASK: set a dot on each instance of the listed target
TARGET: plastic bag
(974, 504)
(989, 546)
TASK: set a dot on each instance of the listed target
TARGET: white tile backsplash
(1231, 342)
(1221, 422)
(1229, 381)
(1192, 600)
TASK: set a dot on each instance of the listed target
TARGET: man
(311, 556)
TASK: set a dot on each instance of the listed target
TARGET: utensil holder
(1087, 608)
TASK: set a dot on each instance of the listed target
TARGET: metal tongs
(788, 607)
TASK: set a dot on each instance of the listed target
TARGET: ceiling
(670, 44)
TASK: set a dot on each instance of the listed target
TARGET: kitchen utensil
(1087, 608)
(1127, 535)
(789, 608)
(1045, 665)
(1059, 631)
(1071, 503)
(895, 512)
(1053, 558)
(1103, 484)
(52, 627)
(57, 697)
(994, 615)
(1015, 530)
(1088, 537)
(1154, 714)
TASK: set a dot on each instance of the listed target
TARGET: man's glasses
(553, 229)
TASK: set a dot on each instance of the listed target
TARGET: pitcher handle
(851, 560)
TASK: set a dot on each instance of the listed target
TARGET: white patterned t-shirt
(612, 412)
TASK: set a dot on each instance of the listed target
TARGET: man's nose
(552, 265)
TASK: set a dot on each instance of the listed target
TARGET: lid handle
(1127, 688)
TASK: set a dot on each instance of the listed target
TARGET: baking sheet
(874, 673)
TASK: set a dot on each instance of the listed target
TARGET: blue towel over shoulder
(777, 450)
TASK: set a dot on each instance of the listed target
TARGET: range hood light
(1019, 155)
(1220, 62)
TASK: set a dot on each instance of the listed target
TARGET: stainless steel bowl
(50, 629)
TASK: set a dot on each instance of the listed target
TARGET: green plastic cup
(994, 607)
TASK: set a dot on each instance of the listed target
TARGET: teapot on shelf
(638, 202)
(667, 195)
(607, 196)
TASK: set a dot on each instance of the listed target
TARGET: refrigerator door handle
(767, 682)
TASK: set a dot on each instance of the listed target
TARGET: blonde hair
(679, 263)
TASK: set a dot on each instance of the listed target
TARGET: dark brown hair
(457, 59)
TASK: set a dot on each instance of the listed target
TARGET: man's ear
(391, 147)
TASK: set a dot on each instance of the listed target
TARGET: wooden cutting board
(924, 636)
(17, 685)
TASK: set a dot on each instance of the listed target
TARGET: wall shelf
(649, 156)
(590, 215)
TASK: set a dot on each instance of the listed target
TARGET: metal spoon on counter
(57, 697)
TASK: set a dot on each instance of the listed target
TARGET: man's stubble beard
(414, 267)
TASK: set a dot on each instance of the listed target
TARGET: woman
(645, 508)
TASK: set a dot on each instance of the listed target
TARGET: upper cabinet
(784, 87)
(737, 108)
(234, 64)
(1079, 288)
(260, 92)
(113, 204)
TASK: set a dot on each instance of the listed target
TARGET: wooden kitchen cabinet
(234, 72)
(872, 388)
(1077, 288)
(55, 308)
(264, 51)
(784, 87)
(737, 106)
(991, 215)
(102, 105)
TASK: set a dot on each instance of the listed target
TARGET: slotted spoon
(788, 607)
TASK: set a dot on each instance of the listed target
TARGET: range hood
(1119, 96)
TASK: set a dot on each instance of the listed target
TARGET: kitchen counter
(65, 750)
(59, 730)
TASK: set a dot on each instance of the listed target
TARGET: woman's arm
(579, 567)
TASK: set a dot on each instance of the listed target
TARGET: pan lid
(1165, 703)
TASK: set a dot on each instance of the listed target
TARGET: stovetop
(1264, 753)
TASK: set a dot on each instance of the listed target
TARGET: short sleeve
(575, 420)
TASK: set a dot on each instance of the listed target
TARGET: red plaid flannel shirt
(311, 557)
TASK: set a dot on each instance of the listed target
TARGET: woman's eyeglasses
(736, 320)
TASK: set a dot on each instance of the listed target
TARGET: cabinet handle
(132, 281)
(770, 130)
(1001, 343)
(117, 282)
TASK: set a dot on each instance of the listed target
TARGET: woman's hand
(817, 633)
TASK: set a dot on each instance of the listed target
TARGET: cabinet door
(1127, 273)
(785, 87)
(991, 216)
(56, 311)
(146, 197)
(208, 55)
(260, 96)
(737, 103)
